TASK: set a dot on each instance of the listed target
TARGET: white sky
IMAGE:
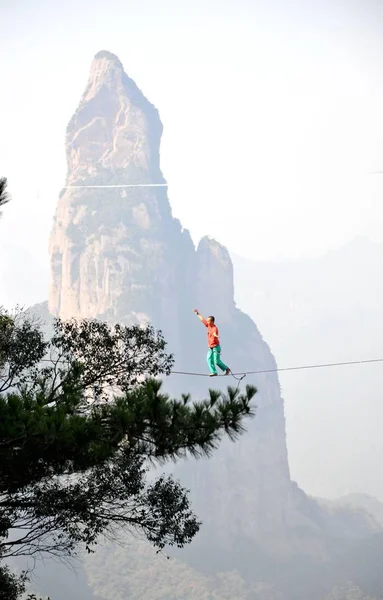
(272, 115)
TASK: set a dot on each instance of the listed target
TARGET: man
(214, 353)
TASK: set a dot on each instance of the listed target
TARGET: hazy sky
(272, 115)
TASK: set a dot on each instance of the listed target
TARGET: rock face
(112, 249)
(118, 254)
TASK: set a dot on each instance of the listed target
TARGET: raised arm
(201, 318)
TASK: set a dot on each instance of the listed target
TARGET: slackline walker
(214, 353)
(214, 358)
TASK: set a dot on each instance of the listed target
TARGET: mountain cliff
(112, 249)
(117, 253)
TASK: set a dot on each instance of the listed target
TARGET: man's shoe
(213, 374)
(227, 372)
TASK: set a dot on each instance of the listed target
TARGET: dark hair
(212, 318)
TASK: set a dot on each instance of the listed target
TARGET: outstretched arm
(201, 318)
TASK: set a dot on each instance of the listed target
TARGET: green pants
(214, 360)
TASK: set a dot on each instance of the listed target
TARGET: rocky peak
(110, 245)
(105, 54)
(114, 135)
(106, 69)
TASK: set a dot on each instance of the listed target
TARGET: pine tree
(82, 417)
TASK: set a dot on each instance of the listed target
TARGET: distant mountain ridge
(323, 310)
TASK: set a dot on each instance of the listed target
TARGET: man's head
(210, 320)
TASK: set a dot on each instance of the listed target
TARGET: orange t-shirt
(212, 329)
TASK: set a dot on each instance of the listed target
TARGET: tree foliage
(81, 418)
(4, 196)
(348, 591)
(11, 586)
